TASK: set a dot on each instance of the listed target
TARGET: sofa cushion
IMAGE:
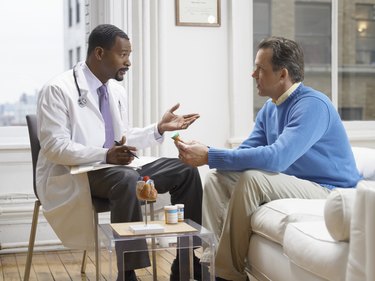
(338, 212)
(365, 160)
(309, 246)
(271, 219)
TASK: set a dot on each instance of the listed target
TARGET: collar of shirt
(92, 81)
(284, 96)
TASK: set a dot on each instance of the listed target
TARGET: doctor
(81, 114)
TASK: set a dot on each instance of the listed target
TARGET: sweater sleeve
(305, 123)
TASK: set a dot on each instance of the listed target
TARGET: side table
(188, 236)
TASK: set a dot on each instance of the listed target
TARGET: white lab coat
(73, 135)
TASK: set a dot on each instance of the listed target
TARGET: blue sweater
(303, 137)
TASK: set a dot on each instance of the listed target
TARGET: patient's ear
(284, 73)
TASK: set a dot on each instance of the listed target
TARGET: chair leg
(84, 258)
(97, 260)
(84, 262)
(30, 251)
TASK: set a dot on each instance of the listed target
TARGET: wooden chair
(99, 205)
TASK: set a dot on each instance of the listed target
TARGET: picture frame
(198, 13)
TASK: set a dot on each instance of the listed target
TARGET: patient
(297, 149)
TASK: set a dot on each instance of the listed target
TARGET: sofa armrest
(365, 160)
(338, 212)
(361, 257)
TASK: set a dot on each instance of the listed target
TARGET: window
(365, 34)
(351, 113)
(36, 48)
(261, 21)
(70, 14)
(32, 39)
(78, 50)
(356, 48)
(71, 58)
(313, 31)
(262, 29)
(310, 22)
(78, 12)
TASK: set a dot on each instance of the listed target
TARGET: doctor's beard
(121, 73)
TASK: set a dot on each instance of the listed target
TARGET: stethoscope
(82, 101)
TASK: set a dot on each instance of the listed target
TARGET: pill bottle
(180, 212)
(170, 213)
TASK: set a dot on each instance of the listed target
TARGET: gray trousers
(230, 198)
(118, 184)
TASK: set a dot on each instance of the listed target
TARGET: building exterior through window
(310, 24)
(71, 33)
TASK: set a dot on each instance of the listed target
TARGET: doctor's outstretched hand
(120, 153)
(172, 122)
(192, 153)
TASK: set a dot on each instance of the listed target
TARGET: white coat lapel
(85, 92)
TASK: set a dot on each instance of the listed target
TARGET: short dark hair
(287, 54)
(104, 35)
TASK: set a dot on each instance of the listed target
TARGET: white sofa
(310, 240)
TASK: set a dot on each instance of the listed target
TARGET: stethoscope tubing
(82, 101)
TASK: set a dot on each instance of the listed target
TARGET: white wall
(193, 70)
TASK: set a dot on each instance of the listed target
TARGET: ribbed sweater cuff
(217, 158)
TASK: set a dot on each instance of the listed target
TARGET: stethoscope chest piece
(82, 101)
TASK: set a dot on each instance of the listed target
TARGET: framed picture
(198, 12)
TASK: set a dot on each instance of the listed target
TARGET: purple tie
(106, 113)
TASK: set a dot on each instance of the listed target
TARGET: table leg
(154, 270)
(191, 258)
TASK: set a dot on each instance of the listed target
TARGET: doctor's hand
(121, 154)
(192, 153)
(172, 122)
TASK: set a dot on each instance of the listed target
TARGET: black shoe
(175, 270)
(129, 276)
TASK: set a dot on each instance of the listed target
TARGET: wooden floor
(66, 265)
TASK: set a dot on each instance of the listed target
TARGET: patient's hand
(192, 153)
